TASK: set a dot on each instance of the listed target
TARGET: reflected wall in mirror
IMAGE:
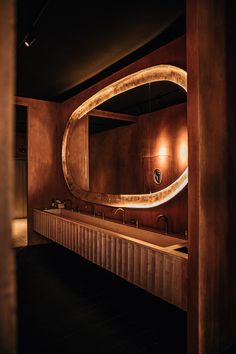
(134, 134)
(116, 139)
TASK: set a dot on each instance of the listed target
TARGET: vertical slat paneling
(113, 254)
(137, 264)
(94, 246)
(90, 244)
(79, 240)
(159, 273)
(49, 226)
(151, 271)
(143, 268)
(103, 251)
(124, 259)
(73, 240)
(64, 235)
(86, 255)
(184, 285)
(130, 272)
(108, 252)
(167, 281)
(85, 242)
(98, 248)
(82, 241)
(176, 282)
(71, 235)
(76, 241)
(118, 257)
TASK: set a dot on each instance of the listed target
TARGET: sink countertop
(146, 236)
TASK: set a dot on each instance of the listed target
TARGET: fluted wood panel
(160, 273)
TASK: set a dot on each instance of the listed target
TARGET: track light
(29, 40)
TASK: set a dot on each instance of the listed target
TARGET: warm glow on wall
(184, 152)
(148, 75)
(182, 149)
(163, 143)
(162, 151)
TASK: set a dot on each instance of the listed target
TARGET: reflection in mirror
(157, 176)
(138, 140)
(75, 147)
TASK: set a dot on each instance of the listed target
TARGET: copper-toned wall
(211, 58)
(46, 124)
(8, 327)
(43, 157)
(176, 210)
(114, 161)
(163, 144)
(162, 134)
(122, 160)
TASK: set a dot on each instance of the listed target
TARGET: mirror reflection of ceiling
(20, 119)
(143, 99)
(78, 44)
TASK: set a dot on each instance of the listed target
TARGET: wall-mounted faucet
(123, 211)
(162, 216)
(68, 203)
(135, 222)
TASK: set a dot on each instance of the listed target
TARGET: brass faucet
(68, 203)
(123, 211)
(166, 220)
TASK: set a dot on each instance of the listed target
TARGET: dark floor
(67, 305)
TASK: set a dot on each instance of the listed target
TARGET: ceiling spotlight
(29, 40)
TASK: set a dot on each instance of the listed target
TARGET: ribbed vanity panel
(130, 277)
(160, 273)
(108, 252)
(99, 248)
(137, 264)
(158, 283)
(103, 250)
(124, 259)
(143, 268)
(151, 271)
(113, 254)
(167, 278)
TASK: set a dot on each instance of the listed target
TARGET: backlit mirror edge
(152, 74)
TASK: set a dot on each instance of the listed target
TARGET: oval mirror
(127, 144)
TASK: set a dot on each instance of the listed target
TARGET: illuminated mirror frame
(148, 75)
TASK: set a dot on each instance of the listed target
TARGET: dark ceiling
(138, 101)
(78, 43)
(146, 98)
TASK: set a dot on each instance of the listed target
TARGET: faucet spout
(162, 216)
(68, 203)
(123, 211)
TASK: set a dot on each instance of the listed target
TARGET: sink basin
(182, 249)
(151, 237)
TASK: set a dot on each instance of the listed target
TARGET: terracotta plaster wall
(114, 161)
(43, 157)
(122, 160)
(173, 53)
(163, 140)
